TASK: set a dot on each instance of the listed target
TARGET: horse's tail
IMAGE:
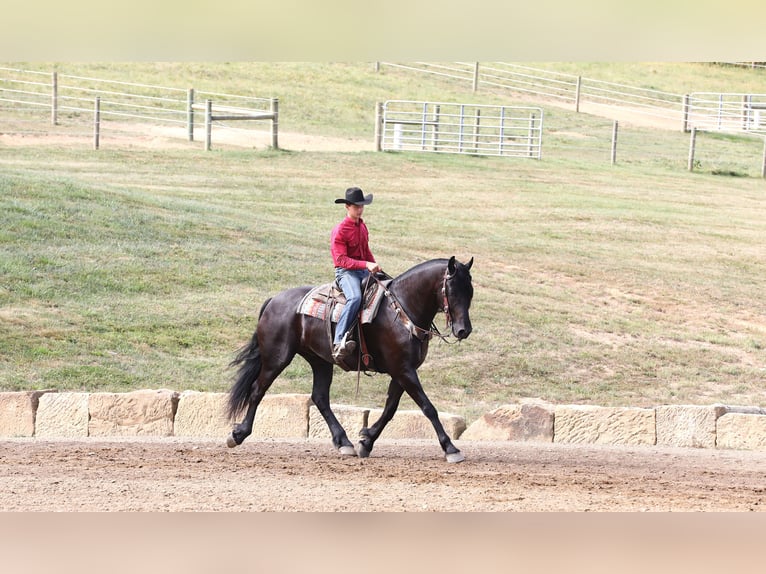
(249, 360)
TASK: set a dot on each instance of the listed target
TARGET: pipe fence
(27, 97)
(729, 128)
(710, 112)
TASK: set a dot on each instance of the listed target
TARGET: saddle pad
(316, 302)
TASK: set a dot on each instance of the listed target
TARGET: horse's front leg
(411, 383)
(370, 435)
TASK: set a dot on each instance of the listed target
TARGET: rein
(415, 331)
(419, 332)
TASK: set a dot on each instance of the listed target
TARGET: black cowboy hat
(355, 195)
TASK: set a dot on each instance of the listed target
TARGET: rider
(353, 263)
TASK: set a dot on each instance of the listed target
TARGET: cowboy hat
(355, 195)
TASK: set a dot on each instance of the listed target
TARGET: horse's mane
(419, 267)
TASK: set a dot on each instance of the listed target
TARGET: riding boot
(343, 349)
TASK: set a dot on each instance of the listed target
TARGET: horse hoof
(362, 451)
(347, 451)
(230, 442)
(455, 457)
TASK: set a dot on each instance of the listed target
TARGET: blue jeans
(350, 281)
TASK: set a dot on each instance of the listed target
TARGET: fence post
(208, 123)
(502, 129)
(55, 98)
(275, 123)
(532, 119)
(475, 76)
(745, 114)
(377, 66)
(685, 114)
(476, 132)
(97, 123)
(763, 162)
(720, 110)
(436, 127)
(577, 93)
(614, 142)
(378, 126)
(692, 143)
(190, 113)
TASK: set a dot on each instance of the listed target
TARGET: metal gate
(727, 112)
(472, 129)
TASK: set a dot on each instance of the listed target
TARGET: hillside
(138, 267)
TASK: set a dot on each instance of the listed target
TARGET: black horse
(397, 339)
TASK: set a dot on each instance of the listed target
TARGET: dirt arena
(308, 475)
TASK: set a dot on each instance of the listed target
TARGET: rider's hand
(373, 267)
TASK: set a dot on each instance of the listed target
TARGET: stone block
(604, 425)
(17, 413)
(62, 415)
(414, 424)
(523, 422)
(138, 413)
(282, 416)
(741, 431)
(202, 415)
(688, 425)
(353, 419)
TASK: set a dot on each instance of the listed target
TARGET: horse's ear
(451, 266)
(468, 265)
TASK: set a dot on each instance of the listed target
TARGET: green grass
(636, 284)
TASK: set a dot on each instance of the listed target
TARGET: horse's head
(458, 292)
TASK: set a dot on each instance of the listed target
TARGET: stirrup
(343, 349)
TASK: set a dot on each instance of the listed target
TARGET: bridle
(445, 304)
(419, 332)
(414, 330)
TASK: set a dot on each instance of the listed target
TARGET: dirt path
(183, 475)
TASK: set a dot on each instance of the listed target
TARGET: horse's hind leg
(320, 394)
(370, 435)
(269, 372)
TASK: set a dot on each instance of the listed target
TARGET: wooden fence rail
(220, 113)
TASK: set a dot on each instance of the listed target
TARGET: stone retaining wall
(162, 413)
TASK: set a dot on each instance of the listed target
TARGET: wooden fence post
(190, 113)
(436, 126)
(692, 143)
(378, 126)
(475, 76)
(275, 123)
(685, 113)
(577, 93)
(614, 142)
(763, 162)
(532, 119)
(55, 98)
(97, 123)
(208, 124)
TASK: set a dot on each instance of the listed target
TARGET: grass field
(634, 284)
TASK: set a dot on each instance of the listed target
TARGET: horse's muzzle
(463, 332)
